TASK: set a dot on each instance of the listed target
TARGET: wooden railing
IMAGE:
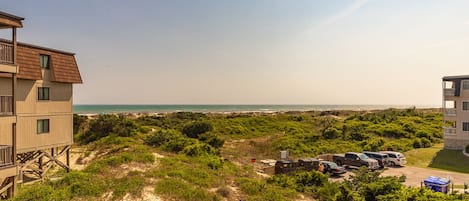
(6, 53)
(6, 158)
(6, 105)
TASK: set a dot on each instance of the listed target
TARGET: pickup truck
(356, 160)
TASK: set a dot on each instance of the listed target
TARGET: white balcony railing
(450, 111)
(449, 131)
(449, 92)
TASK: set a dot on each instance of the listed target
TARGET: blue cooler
(437, 184)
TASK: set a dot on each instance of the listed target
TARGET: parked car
(355, 159)
(395, 158)
(332, 168)
(380, 157)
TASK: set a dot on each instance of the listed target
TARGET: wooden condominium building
(456, 111)
(36, 117)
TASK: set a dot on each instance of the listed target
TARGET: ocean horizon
(104, 109)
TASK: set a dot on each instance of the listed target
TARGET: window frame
(41, 95)
(465, 83)
(462, 105)
(44, 124)
(41, 61)
(467, 125)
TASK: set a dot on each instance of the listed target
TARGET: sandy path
(415, 175)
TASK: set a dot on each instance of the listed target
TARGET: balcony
(449, 92)
(7, 63)
(6, 53)
(449, 112)
(6, 153)
(449, 131)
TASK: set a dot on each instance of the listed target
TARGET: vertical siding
(58, 110)
(60, 132)
(5, 87)
(5, 132)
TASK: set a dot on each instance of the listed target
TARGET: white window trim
(462, 84)
(462, 105)
(462, 126)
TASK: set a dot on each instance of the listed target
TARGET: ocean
(101, 109)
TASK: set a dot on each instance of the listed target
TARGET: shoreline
(266, 112)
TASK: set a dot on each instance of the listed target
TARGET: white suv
(395, 158)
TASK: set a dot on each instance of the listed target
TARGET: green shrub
(417, 143)
(162, 137)
(467, 148)
(81, 184)
(199, 149)
(40, 193)
(106, 125)
(193, 130)
(331, 133)
(212, 139)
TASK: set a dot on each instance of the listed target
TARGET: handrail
(6, 155)
(6, 53)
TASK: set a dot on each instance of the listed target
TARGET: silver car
(395, 158)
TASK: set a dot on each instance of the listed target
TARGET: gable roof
(64, 67)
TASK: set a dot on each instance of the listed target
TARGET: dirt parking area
(415, 175)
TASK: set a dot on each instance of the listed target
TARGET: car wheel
(339, 163)
(393, 164)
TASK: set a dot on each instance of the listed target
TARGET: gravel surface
(415, 175)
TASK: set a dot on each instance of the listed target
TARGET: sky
(254, 52)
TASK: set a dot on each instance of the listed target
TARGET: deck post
(68, 159)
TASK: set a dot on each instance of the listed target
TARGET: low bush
(177, 189)
(193, 130)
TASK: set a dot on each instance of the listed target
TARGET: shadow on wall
(453, 160)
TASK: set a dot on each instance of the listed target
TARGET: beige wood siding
(5, 87)
(60, 98)
(6, 128)
(58, 110)
(60, 132)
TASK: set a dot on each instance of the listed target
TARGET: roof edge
(11, 16)
(455, 77)
(38, 47)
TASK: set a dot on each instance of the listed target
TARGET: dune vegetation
(195, 156)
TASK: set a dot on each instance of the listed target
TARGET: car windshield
(363, 156)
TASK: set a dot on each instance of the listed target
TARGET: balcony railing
(448, 92)
(6, 153)
(6, 53)
(6, 105)
(450, 111)
(449, 131)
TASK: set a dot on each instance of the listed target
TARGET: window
(43, 93)
(42, 126)
(465, 84)
(465, 105)
(465, 126)
(44, 61)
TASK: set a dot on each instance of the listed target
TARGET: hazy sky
(254, 52)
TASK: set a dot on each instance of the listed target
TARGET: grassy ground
(437, 157)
